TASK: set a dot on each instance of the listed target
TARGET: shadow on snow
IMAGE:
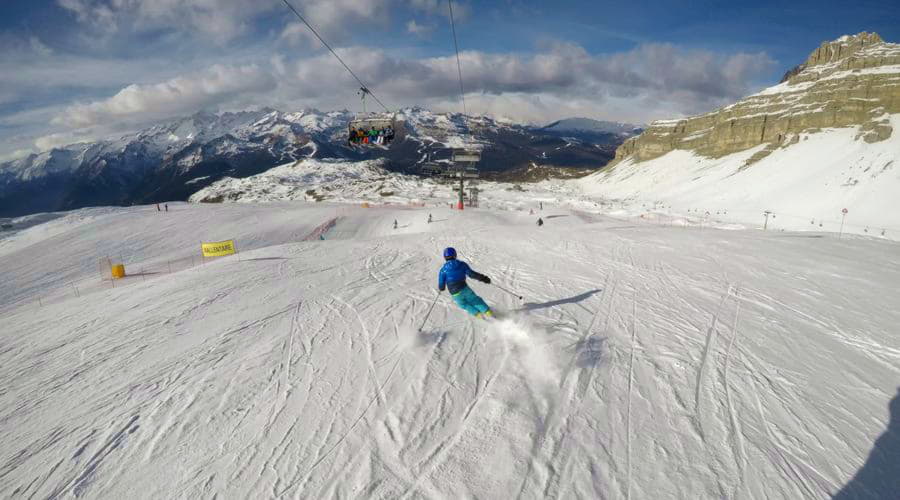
(879, 477)
(589, 351)
(531, 306)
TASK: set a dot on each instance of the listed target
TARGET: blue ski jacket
(453, 276)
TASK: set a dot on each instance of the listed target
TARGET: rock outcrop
(852, 81)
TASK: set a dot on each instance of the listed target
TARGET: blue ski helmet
(449, 253)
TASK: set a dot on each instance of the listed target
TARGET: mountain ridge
(173, 159)
(578, 123)
(852, 81)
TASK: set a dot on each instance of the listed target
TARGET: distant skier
(542, 204)
(157, 208)
(452, 276)
(167, 207)
(395, 223)
(540, 222)
(429, 218)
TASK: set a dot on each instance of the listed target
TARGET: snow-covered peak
(39, 165)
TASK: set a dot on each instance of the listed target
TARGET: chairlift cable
(363, 87)
(462, 94)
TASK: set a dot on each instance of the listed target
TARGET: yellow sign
(218, 248)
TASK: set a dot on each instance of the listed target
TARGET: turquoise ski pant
(473, 304)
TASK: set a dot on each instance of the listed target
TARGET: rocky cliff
(852, 81)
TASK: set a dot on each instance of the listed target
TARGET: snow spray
(530, 352)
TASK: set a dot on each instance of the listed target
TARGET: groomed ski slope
(645, 362)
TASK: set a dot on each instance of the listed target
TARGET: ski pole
(436, 297)
(508, 291)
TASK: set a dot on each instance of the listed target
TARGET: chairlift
(466, 155)
(432, 168)
(373, 129)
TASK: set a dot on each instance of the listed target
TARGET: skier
(453, 277)
(157, 208)
(429, 218)
(540, 222)
(167, 207)
(395, 223)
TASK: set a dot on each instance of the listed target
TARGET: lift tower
(463, 168)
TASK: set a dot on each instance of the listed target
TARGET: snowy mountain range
(172, 160)
(590, 129)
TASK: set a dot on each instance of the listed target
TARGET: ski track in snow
(557, 463)
(710, 345)
(295, 371)
(737, 433)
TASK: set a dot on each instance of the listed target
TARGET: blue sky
(85, 69)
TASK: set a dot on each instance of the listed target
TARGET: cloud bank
(182, 95)
(135, 62)
(654, 77)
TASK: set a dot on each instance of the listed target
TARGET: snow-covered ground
(317, 180)
(645, 362)
(368, 182)
(806, 184)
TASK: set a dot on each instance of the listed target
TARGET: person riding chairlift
(380, 136)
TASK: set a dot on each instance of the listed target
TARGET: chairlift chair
(378, 121)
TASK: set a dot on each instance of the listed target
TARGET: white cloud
(419, 30)
(278, 65)
(655, 78)
(39, 47)
(219, 20)
(178, 96)
(56, 140)
(223, 20)
(560, 79)
(15, 155)
(336, 16)
(651, 81)
(294, 32)
(91, 12)
(461, 11)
